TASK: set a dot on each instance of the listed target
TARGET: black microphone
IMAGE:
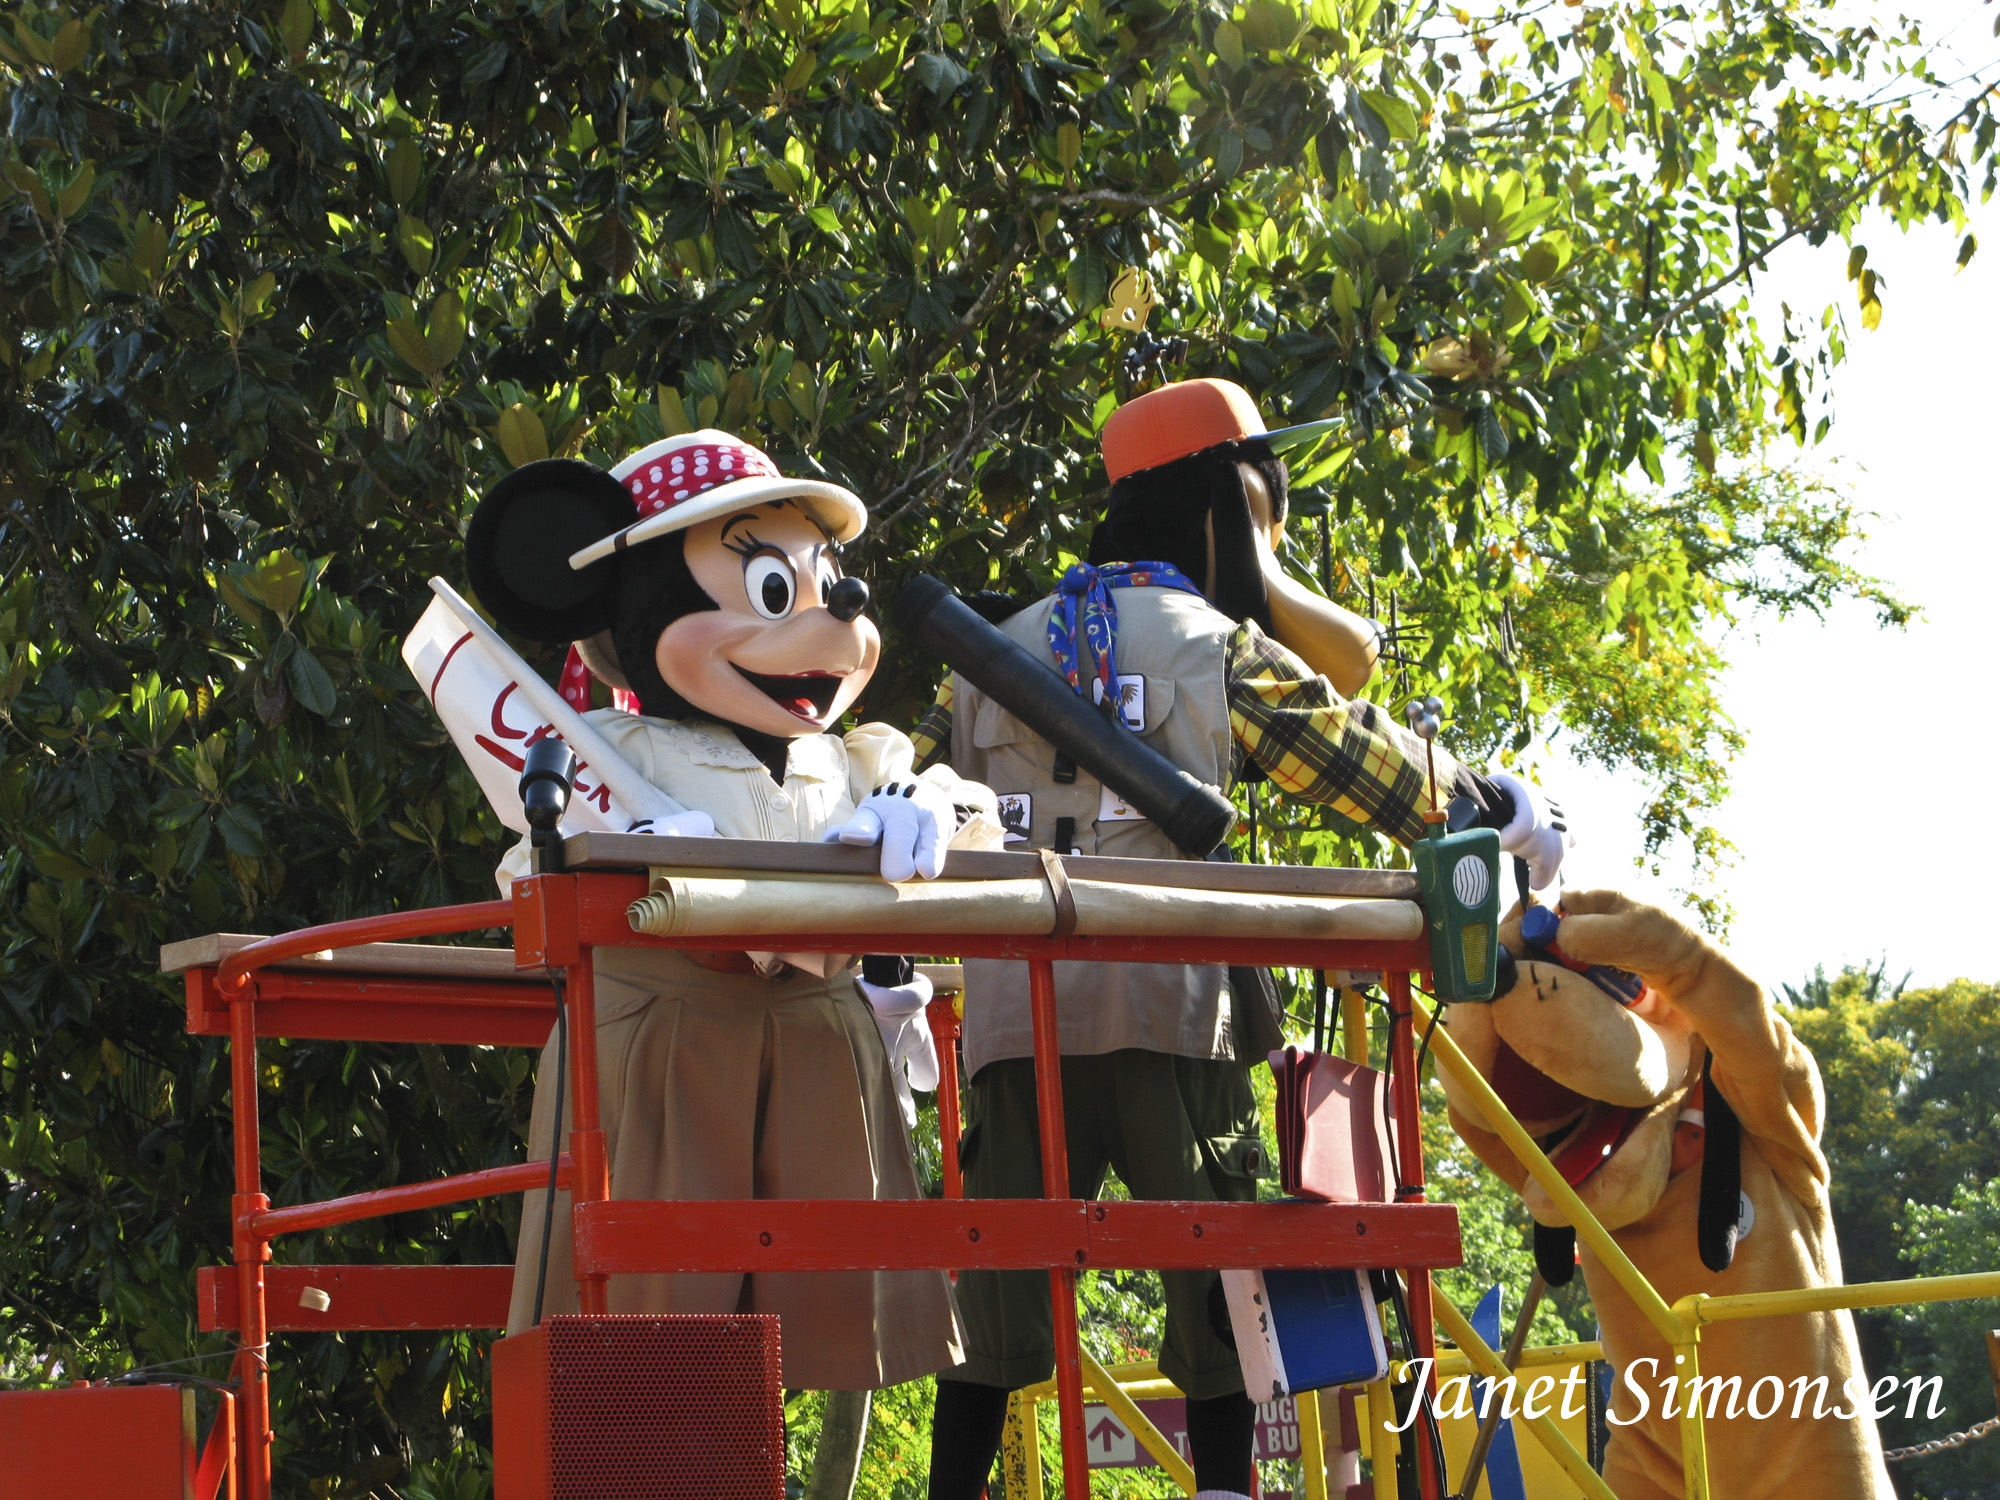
(547, 774)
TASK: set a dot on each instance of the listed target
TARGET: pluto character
(1687, 1117)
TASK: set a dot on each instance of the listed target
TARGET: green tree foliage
(283, 284)
(1913, 1139)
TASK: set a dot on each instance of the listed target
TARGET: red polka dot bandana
(575, 687)
(682, 473)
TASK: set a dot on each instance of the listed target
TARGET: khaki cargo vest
(1172, 653)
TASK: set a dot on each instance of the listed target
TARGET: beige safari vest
(1172, 654)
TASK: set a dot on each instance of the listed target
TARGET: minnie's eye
(771, 585)
(829, 575)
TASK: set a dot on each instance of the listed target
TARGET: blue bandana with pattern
(1085, 614)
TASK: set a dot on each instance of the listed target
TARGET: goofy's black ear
(518, 547)
(1239, 575)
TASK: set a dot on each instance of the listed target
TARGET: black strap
(1065, 835)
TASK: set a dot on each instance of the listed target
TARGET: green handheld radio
(1458, 876)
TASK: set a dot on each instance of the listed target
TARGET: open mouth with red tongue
(1578, 1149)
(807, 694)
(1592, 1141)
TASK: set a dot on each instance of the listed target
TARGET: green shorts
(1170, 1127)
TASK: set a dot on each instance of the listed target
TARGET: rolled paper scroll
(495, 706)
(696, 906)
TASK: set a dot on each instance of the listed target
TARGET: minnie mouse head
(693, 575)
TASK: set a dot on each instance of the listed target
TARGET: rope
(1940, 1445)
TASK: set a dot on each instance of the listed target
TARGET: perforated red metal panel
(644, 1407)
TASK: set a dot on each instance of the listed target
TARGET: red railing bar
(273, 1222)
(430, 921)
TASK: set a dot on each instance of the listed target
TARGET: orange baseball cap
(1185, 418)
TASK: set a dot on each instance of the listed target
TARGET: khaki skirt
(735, 1086)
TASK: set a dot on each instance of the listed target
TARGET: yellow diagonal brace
(1531, 1156)
(1487, 1363)
(1312, 1444)
(1021, 1450)
(1150, 1437)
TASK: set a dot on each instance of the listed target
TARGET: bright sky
(1856, 805)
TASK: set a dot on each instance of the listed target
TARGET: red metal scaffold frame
(556, 921)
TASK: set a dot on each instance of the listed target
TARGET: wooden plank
(629, 851)
(362, 1297)
(430, 960)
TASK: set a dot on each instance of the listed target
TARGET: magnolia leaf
(1967, 248)
(1399, 118)
(71, 45)
(408, 342)
(1229, 43)
(70, 201)
(1704, 452)
(310, 683)
(1088, 276)
(938, 73)
(525, 441)
(404, 166)
(1069, 144)
(1856, 259)
(673, 415)
(296, 24)
(278, 581)
(446, 335)
(415, 240)
(1871, 302)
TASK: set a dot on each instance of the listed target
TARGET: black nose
(847, 598)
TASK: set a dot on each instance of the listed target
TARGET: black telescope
(1195, 815)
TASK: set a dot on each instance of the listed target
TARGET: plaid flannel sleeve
(932, 736)
(1346, 753)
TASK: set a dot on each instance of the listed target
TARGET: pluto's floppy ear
(518, 547)
(1721, 1175)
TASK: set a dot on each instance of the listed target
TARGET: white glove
(906, 1035)
(912, 820)
(1538, 832)
(685, 825)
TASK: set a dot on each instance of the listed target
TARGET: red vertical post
(590, 1170)
(1055, 1184)
(942, 1016)
(1410, 1159)
(251, 1252)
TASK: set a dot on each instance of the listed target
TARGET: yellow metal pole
(1150, 1437)
(1501, 1120)
(1353, 1026)
(1145, 1374)
(1312, 1444)
(1382, 1440)
(1487, 1363)
(1694, 1435)
(1545, 1354)
(1021, 1450)
(1826, 1298)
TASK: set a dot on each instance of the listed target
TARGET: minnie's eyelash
(747, 546)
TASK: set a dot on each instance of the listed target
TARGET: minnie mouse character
(706, 588)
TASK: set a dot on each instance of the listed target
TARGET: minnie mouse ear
(523, 533)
